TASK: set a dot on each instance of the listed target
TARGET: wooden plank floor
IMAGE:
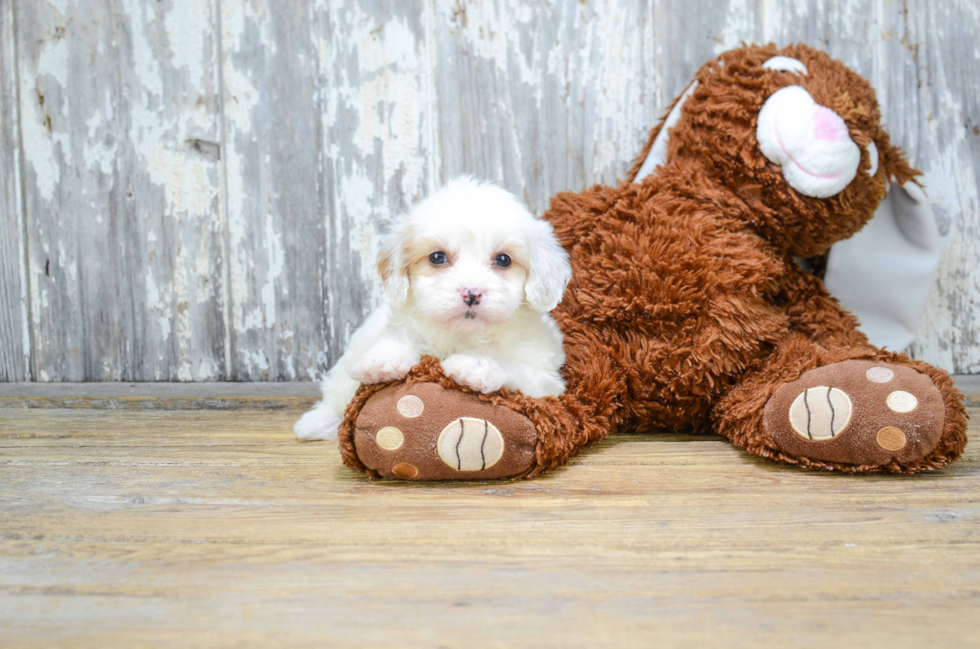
(137, 527)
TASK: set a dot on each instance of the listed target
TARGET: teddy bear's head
(796, 135)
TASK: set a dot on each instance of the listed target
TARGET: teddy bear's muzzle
(809, 142)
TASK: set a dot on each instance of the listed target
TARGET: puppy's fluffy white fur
(486, 320)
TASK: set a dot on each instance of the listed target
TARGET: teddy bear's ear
(884, 273)
(895, 164)
(657, 154)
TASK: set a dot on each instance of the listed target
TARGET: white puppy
(469, 277)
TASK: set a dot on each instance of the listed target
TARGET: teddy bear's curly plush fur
(687, 312)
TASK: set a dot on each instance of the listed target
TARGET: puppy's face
(468, 257)
(468, 280)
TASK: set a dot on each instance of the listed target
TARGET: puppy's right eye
(438, 258)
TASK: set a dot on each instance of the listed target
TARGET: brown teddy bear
(687, 310)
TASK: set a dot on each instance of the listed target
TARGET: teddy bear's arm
(816, 314)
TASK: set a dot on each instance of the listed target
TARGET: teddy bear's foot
(858, 413)
(422, 431)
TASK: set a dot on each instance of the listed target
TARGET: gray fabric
(885, 272)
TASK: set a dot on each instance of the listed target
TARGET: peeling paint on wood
(125, 257)
(203, 184)
(15, 344)
(271, 133)
(933, 107)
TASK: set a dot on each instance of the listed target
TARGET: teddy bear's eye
(873, 154)
(785, 64)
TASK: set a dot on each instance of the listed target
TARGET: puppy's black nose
(471, 297)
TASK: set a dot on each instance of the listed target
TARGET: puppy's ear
(393, 267)
(550, 269)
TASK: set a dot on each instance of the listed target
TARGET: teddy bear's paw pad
(426, 432)
(857, 412)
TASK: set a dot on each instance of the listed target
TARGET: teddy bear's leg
(858, 410)
(428, 428)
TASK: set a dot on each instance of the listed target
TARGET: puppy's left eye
(438, 258)
(501, 261)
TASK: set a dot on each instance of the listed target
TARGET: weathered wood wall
(194, 189)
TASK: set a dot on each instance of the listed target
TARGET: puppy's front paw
(386, 361)
(480, 373)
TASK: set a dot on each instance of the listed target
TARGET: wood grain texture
(168, 396)
(207, 182)
(275, 229)
(15, 344)
(123, 528)
(219, 396)
(118, 102)
(933, 107)
(543, 100)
